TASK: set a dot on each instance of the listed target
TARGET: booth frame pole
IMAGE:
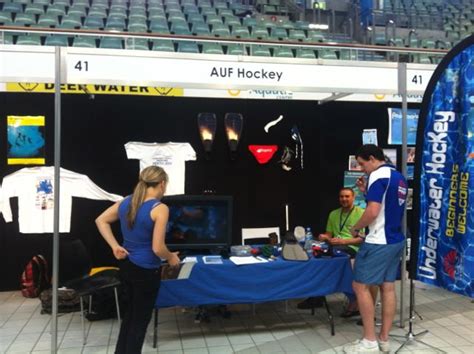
(57, 165)
(402, 87)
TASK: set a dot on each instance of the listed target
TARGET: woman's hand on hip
(120, 252)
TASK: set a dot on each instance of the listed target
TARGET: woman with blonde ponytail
(143, 220)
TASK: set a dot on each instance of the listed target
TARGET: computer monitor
(199, 222)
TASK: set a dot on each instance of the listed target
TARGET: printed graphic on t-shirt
(44, 194)
(162, 161)
(402, 193)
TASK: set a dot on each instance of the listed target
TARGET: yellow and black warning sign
(96, 89)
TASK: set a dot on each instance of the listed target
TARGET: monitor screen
(199, 222)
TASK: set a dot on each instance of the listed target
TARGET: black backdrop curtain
(95, 130)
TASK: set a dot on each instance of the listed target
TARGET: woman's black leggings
(140, 290)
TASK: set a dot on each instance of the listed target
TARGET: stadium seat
(62, 2)
(93, 23)
(12, 7)
(220, 30)
(77, 10)
(22, 19)
(115, 23)
(159, 26)
(175, 17)
(35, 9)
(327, 54)
(315, 36)
(260, 51)
(100, 3)
(137, 26)
(157, 16)
(287, 24)
(267, 23)
(71, 21)
(181, 31)
(28, 39)
(240, 32)
(232, 21)
(6, 38)
(188, 47)
(249, 22)
(297, 35)
(302, 25)
(80, 2)
(283, 52)
(162, 45)
(236, 49)
(119, 6)
(56, 41)
(380, 39)
(305, 53)
(136, 44)
(179, 27)
(424, 59)
(5, 17)
(194, 18)
(119, 13)
(98, 12)
(427, 43)
(213, 19)
(42, 2)
(190, 9)
(206, 11)
(57, 10)
(85, 42)
(346, 54)
(111, 43)
(212, 48)
(200, 29)
(220, 4)
(137, 15)
(225, 12)
(48, 20)
(259, 32)
(278, 33)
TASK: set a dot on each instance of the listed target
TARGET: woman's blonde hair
(149, 177)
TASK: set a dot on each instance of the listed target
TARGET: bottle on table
(308, 239)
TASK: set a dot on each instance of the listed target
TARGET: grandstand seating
(212, 19)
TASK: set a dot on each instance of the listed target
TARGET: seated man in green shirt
(338, 234)
(340, 221)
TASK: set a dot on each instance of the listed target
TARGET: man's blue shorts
(376, 264)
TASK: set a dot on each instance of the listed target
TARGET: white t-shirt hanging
(34, 188)
(171, 157)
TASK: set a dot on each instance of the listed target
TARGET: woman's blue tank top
(138, 240)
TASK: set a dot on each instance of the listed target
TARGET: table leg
(330, 316)
(155, 328)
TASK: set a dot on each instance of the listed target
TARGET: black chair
(90, 285)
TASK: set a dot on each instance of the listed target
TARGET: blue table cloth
(228, 283)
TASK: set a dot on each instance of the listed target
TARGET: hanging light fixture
(233, 127)
(207, 124)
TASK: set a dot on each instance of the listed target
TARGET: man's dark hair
(347, 189)
(365, 151)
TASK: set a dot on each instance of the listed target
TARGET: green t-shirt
(340, 224)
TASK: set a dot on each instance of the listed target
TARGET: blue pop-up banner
(444, 175)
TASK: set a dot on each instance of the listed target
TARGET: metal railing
(329, 50)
